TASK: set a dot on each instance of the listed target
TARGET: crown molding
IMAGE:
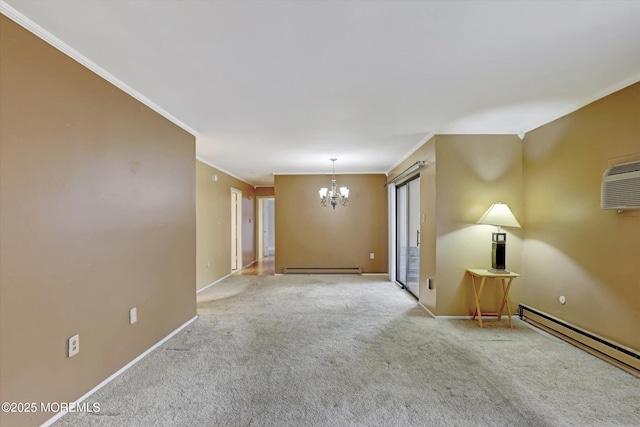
(586, 101)
(426, 138)
(551, 117)
(329, 173)
(231, 174)
(477, 132)
(43, 34)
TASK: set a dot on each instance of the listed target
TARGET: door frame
(260, 224)
(392, 231)
(236, 229)
(395, 229)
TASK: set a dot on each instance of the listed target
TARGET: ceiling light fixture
(333, 196)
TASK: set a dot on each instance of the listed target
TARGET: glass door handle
(418, 238)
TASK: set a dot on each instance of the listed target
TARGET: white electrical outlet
(372, 255)
(74, 345)
(133, 315)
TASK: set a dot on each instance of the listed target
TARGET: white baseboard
(427, 310)
(213, 283)
(59, 415)
(455, 317)
(513, 316)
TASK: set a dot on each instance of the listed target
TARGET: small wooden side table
(482, 274)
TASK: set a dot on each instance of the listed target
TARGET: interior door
(408, 235)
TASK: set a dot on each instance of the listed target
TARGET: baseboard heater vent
(619, 355)
(323, 270)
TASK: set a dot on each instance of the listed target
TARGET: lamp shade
(499, 214)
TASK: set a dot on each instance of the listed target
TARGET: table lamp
(499, 215)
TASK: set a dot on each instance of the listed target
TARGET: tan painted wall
(213, 213)
(97, 200)
(464, 176)
(309, 235)
(474, 171)
(265, 192)
(572, 247)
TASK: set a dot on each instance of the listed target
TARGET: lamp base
(498, 271)
(499, 253)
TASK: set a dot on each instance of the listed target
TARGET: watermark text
(54, 407)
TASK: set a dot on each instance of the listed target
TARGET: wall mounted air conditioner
(621, 187)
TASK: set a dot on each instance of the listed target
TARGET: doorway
(236, 229)
(408, 235)
(266, 227)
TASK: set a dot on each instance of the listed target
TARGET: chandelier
(333, 196)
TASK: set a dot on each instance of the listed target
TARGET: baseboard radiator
(619, 355)
(323, 270)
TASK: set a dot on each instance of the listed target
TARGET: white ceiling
(282, 86)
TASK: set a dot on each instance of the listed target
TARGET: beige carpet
(357, 351)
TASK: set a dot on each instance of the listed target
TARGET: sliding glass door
(408, 235)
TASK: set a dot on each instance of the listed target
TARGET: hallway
(263, 267)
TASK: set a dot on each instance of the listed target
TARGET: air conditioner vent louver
(621, 187)
(627, 167)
